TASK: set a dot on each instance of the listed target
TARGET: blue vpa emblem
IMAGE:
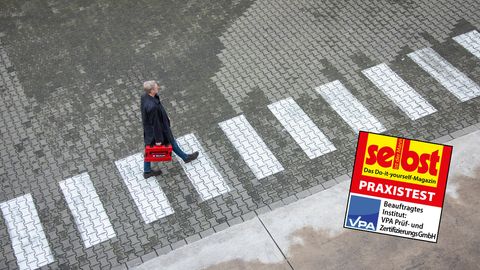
(363, 213)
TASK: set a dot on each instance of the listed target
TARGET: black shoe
(191, 157)
(152, 173)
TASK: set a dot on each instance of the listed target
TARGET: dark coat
(156, 124)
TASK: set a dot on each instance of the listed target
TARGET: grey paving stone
(276, 204)
(249, 216)
(290, 199)
(149, 256)
(163, 250)
(262, 210)
(443, 139)
(207, 232)
(220, 227)
(193, 238)
(235, 221)
(303, 194)
(464, 131)
(178, 244)
(344, 177)
(134, 262)
(316, 189)
(329, 183)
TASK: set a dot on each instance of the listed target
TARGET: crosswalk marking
(402, 94)
(147, 193)
(470, 41)
(202, 172)
(29, 242)
(447, 75)
(87, 210)
(250, 146)
(349, 108)
(308, 136)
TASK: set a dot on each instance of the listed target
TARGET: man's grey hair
(148, 86)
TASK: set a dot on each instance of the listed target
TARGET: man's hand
(158, 143)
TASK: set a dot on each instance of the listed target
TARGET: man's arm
(143, 111)
(157, 127)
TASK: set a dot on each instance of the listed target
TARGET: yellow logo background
(400, 174)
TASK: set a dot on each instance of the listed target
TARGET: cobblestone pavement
(271, 93)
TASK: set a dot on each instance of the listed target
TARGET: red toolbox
(158, 153)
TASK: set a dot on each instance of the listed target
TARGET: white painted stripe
(250, 146)
(29, 242)
(447, 75)
(147, 193)
(87, 210)
(402, 94)
(349, 108)
(308, 136)
(206, 179)
(470, 41)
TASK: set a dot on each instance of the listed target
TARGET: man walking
(156, 126)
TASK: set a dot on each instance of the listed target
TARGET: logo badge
(363, 213)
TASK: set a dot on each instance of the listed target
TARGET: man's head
(151, 87)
